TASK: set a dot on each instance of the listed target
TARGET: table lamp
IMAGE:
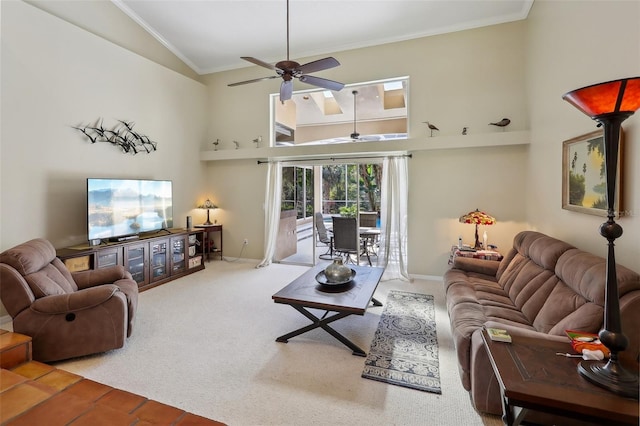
(609, 104)
(209, 206)
(477, 217)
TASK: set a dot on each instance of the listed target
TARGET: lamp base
(611, 377)
(208, 222)
(477, 245)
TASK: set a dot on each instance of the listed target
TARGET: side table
(536, 385)
(209, 244)
(476, 254)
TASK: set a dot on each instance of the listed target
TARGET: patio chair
(324, 237)
(368, 219)
(346, 238)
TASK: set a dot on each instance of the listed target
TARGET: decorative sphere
(610, 230)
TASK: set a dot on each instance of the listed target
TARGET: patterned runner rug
(404, 350)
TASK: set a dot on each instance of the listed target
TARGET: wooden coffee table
(353, 299)
(535, 384)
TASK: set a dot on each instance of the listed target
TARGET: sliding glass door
(346, 189)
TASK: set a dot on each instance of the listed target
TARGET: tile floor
(33, 393)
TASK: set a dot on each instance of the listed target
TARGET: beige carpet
(206, 343)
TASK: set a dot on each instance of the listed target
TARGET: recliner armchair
(66, 314)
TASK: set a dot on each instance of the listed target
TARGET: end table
(476, 254)
(538, 385)
(209, 246)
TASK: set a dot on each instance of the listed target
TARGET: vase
(337, 271)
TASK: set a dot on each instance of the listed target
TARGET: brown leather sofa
(66, 314)
(542, 287)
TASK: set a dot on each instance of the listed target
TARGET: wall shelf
(356, 149)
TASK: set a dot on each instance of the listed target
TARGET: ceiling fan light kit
(288, 70)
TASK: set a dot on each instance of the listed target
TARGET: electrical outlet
(245, 242)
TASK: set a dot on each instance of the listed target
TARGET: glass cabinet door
(109, 257)
(178, 254)
(135, 262)
(159, 260)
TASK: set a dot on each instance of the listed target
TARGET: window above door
(371, 111)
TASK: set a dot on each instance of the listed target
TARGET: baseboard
(427, 277)
(240, 260)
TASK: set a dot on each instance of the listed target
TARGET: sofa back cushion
(527, 273)
(581, 294)
(557, 286)
(36, 261)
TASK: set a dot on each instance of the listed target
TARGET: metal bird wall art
(121, 135)
(431, 127)
(502, 123)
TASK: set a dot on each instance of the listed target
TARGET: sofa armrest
(70, 302)
(95, 277)
(480, 266)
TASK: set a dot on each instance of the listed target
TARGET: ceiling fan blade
(259, 62)
(252, 81)
(321, 82)
(286, 90)
(319, 65)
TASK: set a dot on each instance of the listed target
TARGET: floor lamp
(610, 104)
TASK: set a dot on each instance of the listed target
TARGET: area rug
(404, 350)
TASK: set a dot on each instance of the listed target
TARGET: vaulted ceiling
(212, 35)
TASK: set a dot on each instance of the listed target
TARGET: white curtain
(272, 212)
(392, 254)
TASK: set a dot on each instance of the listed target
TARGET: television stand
(151, 259)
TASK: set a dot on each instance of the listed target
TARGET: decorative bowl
(323, 280)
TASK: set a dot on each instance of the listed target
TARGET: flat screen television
(125, 207)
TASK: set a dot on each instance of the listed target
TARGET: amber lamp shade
(610, 104)
(605, 98)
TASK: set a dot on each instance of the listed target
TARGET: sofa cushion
(44, 273)
(29, 257)
(48, 281)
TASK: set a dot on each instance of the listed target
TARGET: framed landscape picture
(584, 187)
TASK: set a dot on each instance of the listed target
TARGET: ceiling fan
(290, 69)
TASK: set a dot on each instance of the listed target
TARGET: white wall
(469, 78)
(56, 75)
(571, 45)
(104, 19)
